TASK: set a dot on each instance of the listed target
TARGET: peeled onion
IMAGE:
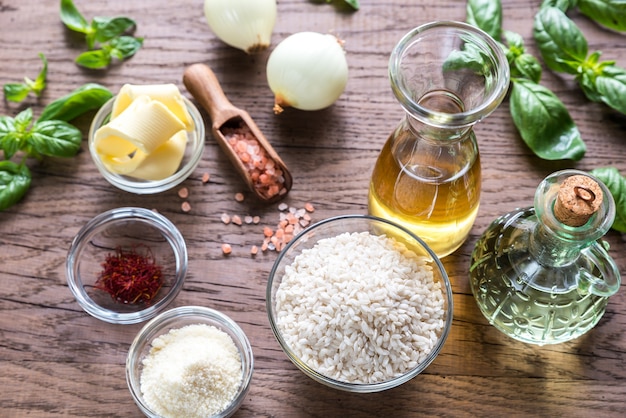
(243, 24)
(307, 71)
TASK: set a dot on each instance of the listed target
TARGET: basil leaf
(107, 28)
(470, 58)
(23, 120)
(616, 184)
(55, 138)
(485, 15)
(528, 67)
(16, 92)
(125, 46)
(611, 87)
(514, 41)
(562, 45)
(40, 82)
(7, 125)
(353, 3)
(85, 98)
(608, 13)
(544, 123)
(10, 140)
(563, 5)
(96, 59)
(14, 183)
(587, 83)
(522, 64)
(71, 17)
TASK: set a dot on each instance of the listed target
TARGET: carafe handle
(609, 281)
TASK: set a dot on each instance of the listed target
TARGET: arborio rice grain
(360, 308)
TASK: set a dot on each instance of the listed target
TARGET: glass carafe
(541, 274)
(447, 76)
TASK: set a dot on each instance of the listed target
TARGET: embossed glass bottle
(447, 76)
(541, 274)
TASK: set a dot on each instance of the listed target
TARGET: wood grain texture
(56, 361)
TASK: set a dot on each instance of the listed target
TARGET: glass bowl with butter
(147, 139)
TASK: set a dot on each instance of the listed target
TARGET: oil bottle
(542, 274)
(447, 76)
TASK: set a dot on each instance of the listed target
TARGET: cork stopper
(578, 199)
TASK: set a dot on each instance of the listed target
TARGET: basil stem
(616, 183)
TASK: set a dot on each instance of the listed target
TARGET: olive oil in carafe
(427, 183)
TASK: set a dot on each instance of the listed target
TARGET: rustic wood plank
(58, 361)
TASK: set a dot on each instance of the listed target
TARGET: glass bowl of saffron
(126, 265)
(190, 361)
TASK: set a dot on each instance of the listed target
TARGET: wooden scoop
(203, 85)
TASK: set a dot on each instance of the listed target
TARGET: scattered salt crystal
(183, 193)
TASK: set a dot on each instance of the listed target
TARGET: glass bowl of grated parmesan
(359, 303)
(190, 361)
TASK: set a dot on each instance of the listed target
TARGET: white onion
(307, 71)
(243, 24)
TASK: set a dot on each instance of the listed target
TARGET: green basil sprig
(564, 49)
(540, 117)
(16, 92)
(106, 32)
(616, 183)
(51, 135)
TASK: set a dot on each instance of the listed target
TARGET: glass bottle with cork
(541, 274)
(447, 76)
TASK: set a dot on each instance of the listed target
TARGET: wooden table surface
(56, 360)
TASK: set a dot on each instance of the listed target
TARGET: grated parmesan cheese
(193, 371)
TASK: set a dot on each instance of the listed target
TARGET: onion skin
(242, 24)
(307, 71)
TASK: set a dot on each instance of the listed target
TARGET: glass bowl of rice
(359, 303)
